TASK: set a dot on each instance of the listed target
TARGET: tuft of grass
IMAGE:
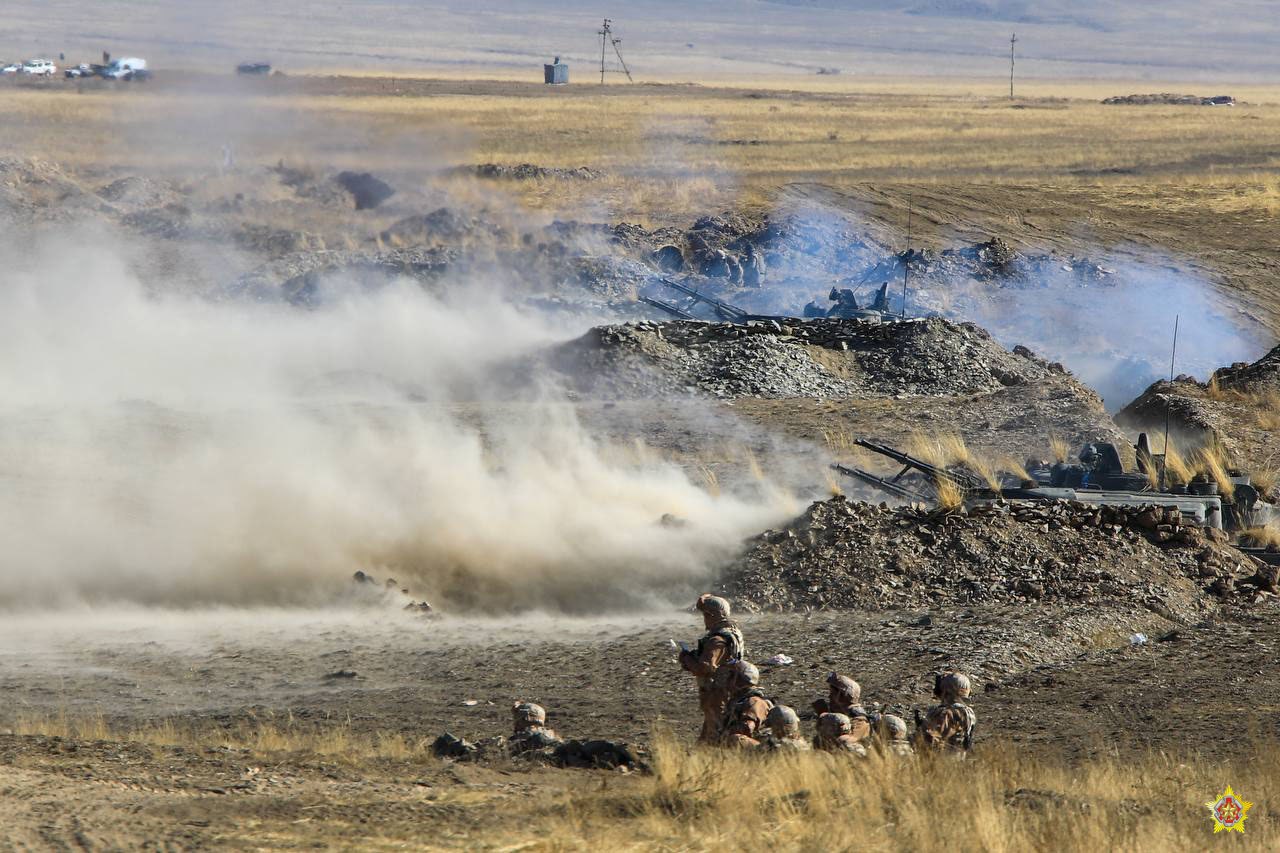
(1059, 450)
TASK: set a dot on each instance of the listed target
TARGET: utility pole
(604, 44)
(1013, 39)
(607, 38)
(906, 264)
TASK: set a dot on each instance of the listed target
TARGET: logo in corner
(1229, 812)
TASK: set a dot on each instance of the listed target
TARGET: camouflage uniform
(947, 726)
(529, 729)
(833, 736)
(845, 697)
(784, 735)
(744, 717)
(721, 644)
(891, 736)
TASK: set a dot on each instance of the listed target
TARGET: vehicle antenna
(1168, 408)
(906, 264)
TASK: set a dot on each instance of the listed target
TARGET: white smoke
(168, 450)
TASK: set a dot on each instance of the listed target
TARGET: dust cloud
(172, 451)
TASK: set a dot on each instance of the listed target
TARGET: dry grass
(1266, 536)
(1059, 450)
(1211, 460)
(1002, 801)
(666, 150)
(270, 736)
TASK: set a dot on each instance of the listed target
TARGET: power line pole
(606, 39)
(604, 44)
(1013, 39)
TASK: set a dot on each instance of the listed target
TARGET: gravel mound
(812, 358)
(1169, 98)
(841, 554)
(530, 172)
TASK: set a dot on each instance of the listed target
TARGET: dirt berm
(1238, 409)
(841, 554)
(813, 358)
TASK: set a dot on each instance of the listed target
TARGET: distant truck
(39, 68)
(130, 68)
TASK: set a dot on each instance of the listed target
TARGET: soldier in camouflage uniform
(844, 696)
(784, 734)
(529, 729)
(834, 736)
(743, 724)
(721, 644)
(948, 726)
(891, 736)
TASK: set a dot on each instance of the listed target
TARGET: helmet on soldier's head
(528, 714)
(950, 686)
(834, 725)
(845, 685)
(743, 672)
(783, 721)
(892, 727)
(713, 606)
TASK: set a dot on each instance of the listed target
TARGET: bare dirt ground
(1056, 679)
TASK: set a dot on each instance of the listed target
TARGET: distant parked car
(84, 69)
(11, 68)
(252, 68)
(39, 68)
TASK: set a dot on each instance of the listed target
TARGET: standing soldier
(891, 736)
(721, 644)
(947, 726)
(844, 696)
(784, 730)
(834, 735)
(744, 716)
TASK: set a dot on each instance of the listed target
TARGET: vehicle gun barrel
(888, 486)
(965, 482)
(667, 307)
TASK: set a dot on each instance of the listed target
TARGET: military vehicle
(847, 307)
(1099, 477)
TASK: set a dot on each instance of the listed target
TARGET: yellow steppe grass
(263, 737)
(669, 148)
(1002, 798)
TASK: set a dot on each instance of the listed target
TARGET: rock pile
(853, 555)
(529, 172)
(1169, 98)
(993, 261)
(809, 358)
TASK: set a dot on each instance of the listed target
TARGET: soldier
(844, 696)
(891, 736)
(721, 644)
(833, 735)
(529, 729)
(783, 724)
(947, 726)
(744, 716)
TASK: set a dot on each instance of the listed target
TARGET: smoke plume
(169, 450)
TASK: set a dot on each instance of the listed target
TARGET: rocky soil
(813, 358)
(1238, 408)
(867, 556)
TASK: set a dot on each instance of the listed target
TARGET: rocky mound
(812, 358)
(840, 554)
(530, 172)
(1169, 98)
(297, 278)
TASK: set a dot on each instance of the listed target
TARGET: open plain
(261, 333)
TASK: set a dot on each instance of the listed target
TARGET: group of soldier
(737, 714)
